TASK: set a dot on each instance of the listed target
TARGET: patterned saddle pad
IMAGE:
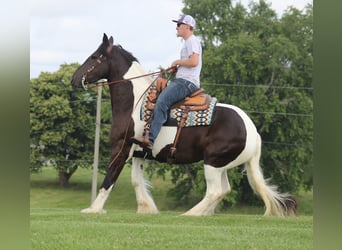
(195, 118)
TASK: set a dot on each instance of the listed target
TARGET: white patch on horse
(140, 85)
(165, 137)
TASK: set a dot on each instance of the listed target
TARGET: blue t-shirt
(192, 45)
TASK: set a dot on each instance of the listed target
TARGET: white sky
(63, 31)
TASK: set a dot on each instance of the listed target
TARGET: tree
(262, 64)
(62, 124)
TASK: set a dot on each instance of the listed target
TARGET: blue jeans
(176, 91)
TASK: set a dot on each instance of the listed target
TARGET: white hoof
(198, 213)
(190, 214)
(147, 208)
(91, 210)
(147, 211)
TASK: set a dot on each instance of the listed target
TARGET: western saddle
(196, 102)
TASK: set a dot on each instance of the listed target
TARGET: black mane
(124, 53)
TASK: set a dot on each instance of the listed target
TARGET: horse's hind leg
(217, 187)
(145, 201)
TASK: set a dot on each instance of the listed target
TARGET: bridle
(99, 60)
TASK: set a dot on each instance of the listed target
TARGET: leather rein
(103, 83)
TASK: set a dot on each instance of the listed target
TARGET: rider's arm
(192, 61)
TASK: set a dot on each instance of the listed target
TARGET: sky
(64, 31)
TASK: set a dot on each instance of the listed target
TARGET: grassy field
(56, 221)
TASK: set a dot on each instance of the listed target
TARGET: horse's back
(247, 122)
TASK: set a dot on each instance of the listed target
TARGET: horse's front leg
(101, 198)
(145, 201)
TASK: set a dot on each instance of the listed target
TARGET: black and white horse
(230, 140)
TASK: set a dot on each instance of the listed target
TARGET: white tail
(276, 203)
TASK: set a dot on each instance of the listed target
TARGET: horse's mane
(127, 55)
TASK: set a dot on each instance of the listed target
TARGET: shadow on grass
(77, 186)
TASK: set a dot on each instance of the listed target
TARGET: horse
(229, 141)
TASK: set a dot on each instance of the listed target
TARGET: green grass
(45, 191)
(121, 229)
(56, 221)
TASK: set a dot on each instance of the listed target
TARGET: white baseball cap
(186, 19)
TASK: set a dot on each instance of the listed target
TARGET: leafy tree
(262, 64)
(62, 124)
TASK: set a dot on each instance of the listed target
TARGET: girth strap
(173, 149)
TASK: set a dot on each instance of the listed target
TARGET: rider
(185, 82)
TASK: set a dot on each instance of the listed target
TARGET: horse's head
(96, 66)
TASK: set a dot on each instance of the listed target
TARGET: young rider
(186, 81)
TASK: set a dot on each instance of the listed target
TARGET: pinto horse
(229, 141)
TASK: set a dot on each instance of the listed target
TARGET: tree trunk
(64, 176)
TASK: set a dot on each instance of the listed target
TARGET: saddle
(197, 101)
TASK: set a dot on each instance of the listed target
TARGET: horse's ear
(105, 38)
(110, 45)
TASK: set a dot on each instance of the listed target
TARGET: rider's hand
(172, 69)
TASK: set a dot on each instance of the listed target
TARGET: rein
(129, 79)
(170, 69)
(104, 83)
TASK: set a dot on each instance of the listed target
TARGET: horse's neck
(140, 84)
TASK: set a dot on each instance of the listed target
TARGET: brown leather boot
(143, 142)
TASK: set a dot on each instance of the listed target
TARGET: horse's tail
(276, 203)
